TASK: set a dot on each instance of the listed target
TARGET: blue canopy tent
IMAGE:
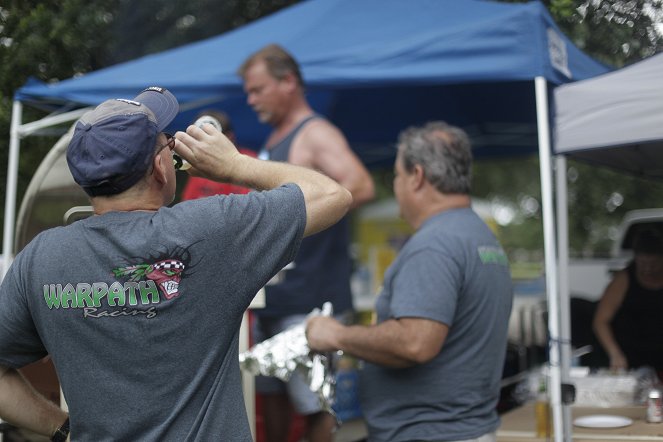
(373, 67)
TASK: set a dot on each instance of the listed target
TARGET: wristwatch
(61, 433)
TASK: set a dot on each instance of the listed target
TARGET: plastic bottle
(542, 410)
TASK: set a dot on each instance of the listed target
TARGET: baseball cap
(113, 145)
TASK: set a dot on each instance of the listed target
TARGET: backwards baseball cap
(113, 145)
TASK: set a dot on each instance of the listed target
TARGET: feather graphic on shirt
(137, 272)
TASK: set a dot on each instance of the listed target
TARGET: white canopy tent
(615, 119)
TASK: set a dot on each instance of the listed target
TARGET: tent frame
(558, 332)
(17, 131)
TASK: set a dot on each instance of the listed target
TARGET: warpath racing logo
(138, 296)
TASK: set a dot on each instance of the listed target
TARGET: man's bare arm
(22, 406)
(331, 154)
(394, 343)
(607, 308)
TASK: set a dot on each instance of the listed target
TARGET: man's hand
(209, 151)
(322, 333)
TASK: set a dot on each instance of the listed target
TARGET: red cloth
(197, 187)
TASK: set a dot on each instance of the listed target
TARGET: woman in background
(629, 318)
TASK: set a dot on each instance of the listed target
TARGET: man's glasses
(178, 162)
(170, 143)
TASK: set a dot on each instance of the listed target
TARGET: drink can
(654, 406)
(208, 119)
(179, 162)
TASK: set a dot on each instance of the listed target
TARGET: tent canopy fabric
(615, 119)
(373, 67)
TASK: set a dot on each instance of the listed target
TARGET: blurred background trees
(54, 40)
(617, 33)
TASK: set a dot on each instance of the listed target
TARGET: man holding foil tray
(434, 360)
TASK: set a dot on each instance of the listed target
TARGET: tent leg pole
(549, 244)
(10, 195)
(561, 197)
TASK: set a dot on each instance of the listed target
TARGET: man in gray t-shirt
(140, 305)
(433, 361)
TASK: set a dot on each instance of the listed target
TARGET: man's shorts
(302, 398)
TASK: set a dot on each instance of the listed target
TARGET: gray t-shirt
(453, 271)
(140, 312)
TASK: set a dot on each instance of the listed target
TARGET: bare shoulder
(322, 134)
(617, 287)
(320, 125)
(621, 277)
(315, 140)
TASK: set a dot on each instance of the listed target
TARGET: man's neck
(297, 113)
(103, 205)
(439, 204)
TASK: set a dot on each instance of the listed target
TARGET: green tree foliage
(51, 40)
(617, 32)
(152, 26)
(598, 199)
(47, 41)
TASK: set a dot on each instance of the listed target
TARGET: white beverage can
(654, 406)
(208, 119)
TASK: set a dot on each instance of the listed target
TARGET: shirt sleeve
(20, 343)
(271, 227)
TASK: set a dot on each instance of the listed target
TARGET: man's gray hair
(443, 151)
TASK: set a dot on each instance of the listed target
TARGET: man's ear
(417, 177)
(159, 167)
(289, 82)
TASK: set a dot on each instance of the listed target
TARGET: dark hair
(279, 63)
(444, 153)
(648, 241)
